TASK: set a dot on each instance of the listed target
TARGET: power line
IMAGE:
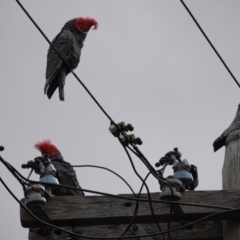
(94, 166)
(154, 173)
(137, 204)
(134, 199)
(146, 186)
(74, 74)
(215, 50)
(119, 196)
(140, 155)
(136, 207)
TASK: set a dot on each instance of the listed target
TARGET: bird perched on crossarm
(66, 174)
(230, 133)
(69, 43)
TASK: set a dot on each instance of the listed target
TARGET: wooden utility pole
(107, 216)
(210, 230)
(231, 181)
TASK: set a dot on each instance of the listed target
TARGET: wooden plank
(231, 180)
(101, 210)
(211, 230)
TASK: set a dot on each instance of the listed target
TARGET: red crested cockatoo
(66, 174)
(69, 43)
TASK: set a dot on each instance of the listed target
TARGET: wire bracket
(119, 130)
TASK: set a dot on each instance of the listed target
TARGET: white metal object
(167, 193)
(35, 195)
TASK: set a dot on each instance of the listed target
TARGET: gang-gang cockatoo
(69, 43)
(66, 174)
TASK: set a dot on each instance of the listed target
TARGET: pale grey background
(147, 64)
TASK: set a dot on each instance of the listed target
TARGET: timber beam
(209, 230)
(101, 210)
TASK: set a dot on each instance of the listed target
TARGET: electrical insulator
(115, 130)
(35, 196)
(167, 194)
(138, 141)
(120, 127)
(126, 139)
(131, 138)
(123, 139)
(129, 127)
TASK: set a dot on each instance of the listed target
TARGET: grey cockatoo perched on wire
(69, 43)
(233, 131)
(66, 174)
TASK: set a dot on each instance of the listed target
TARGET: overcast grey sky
(147, 64)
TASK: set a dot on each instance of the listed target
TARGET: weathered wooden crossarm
(209, 230)
(101, 210)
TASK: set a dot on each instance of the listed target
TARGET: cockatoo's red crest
(84, 24)
(46, 147)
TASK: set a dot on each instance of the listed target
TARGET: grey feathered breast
(65, 43)
(68, 43)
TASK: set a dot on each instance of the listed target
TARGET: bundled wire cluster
(26, 182)
(134, 149)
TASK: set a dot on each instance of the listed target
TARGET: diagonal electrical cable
(215, 50)
(154, 173)
(122, 237)
(137, 204)
(134, 214)
(118, 196)
(150, 167)
(74, 74)
(94, 166)
(169, 235)
(134, 199)
(136, 207)
(12, 170)
(146, 163)
(146, 186)
(145, 159)
(168, 232)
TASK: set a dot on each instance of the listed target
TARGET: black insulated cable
(214, 49)
(74, 74)
(95, 166)
(119, 196)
